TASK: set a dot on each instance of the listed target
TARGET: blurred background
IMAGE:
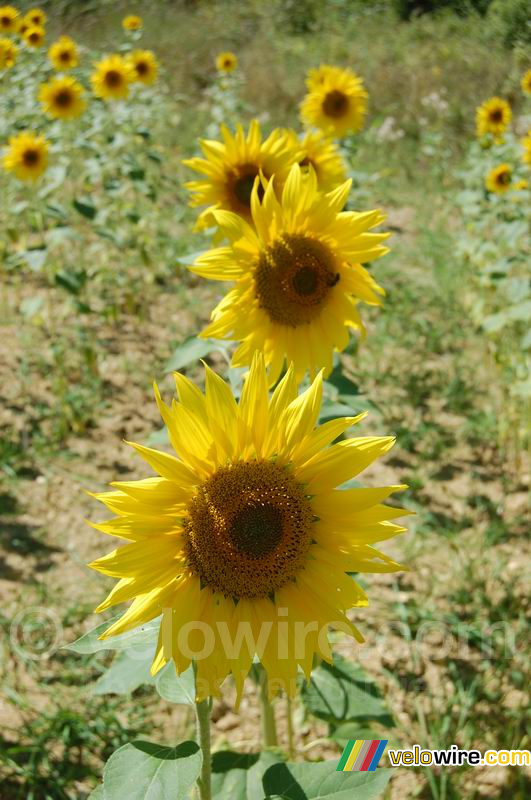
(96, 301)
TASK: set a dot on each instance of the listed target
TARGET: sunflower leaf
(141, 770)
(142, 638)
(238, 776)
(320, 781)
(176, 688)
(189, 351)
(127, 672)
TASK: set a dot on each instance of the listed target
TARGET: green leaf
(97, 794)
(342, 691)
(85, 208)
(176, 688)
(320, 781)
(238, 776)
(127, 672)
(147, 771)
(73, 282)
(191, 350)
(144, 637)
(35, 258)
(340, 382)
(31, 306)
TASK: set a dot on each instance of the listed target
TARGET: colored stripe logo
(361, 755)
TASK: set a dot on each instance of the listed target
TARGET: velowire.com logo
(361, 755)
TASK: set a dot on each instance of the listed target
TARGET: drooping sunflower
(526, 144)
(298, 275)
(493, 116)
(499, 179)
(145, 66)
(231, 166)
(111, 78)
(63, 53)
(525, 82)
(8, 54)
(316, 151)
(9, 19)
(34, 36)
(36, 17)
(336, 102)
(226, 62)
(26, 156)
(132, 22)
(62, 98)
(245, 531)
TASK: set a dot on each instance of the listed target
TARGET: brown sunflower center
(293, 279)
(335, 104)
(34, 37)
(239, 183)
(504, 178)
(64, 56)
(5, 21)
(30, 157)
(64, 98)
(496, 115)
(248, 529)
(142, 68)
(113, 78)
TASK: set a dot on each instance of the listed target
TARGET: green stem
(269, 728)
(203, 732)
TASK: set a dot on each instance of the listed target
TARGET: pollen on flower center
(335, 104)
(293, 279)
(248, 529)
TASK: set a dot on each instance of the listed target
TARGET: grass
(93, 328)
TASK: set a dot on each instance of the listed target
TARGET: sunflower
(112, 77)
(526, 144)
(336, 102)
(231, 166)
(35, 16)
(34, 36)
(226, 62)
(493, 116)
(499, 179)
(132, 23)
(8, 53)
(26, 156)
(144, 65)
(63, 53)
(62, 98)
(525, 83)
(245, 530)
(9, 19)
(298, 276)
(521, 185)
(317, 151)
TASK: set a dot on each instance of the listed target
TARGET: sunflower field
(264, 399)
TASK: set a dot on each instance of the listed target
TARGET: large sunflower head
(34, 36)
(525, 82)
(111, 78)
(35, 16)
(493, 116)
(9, 19)
(320, 153)
(499, 179)
(144, 66)
(226, 62)
(132, 22)
(63, 53)
(336, 102)
(8, 53)
(298, 274)
(26, 156)
(230, 168)
(62, 98)
(243, 542)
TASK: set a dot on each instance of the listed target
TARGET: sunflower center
(30, 157)
(240, 184)
(142, 68)
(335, 104)
(293, 279)
(496, 115)
(64, 56)
(63, 98)
(34, 37)
(504, 178)
(113, 78)
(248, 529)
